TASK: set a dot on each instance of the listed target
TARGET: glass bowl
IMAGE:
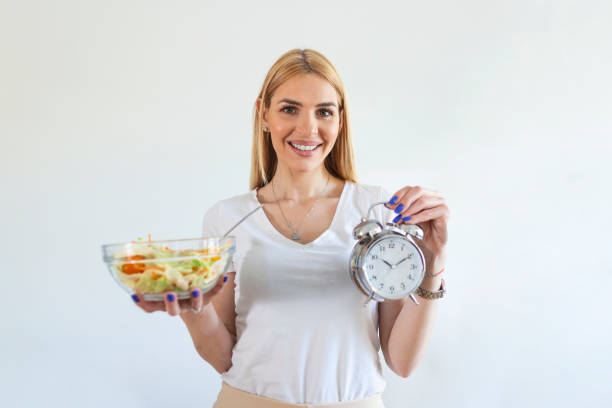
(179, 265)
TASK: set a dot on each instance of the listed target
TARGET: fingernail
(170, 297)
(195, 293)
(399, 208)
(225, 279)
(396, 219)
(407, 218)
(393, 200)
(135, 298)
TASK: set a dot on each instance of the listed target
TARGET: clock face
(393, 267)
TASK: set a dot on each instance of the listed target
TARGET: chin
(304, 167)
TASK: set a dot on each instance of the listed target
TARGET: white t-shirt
(303, 334)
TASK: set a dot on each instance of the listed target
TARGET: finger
(404, 192)
(216, 289)
(413, 195)
(394, 199)
(147, 305)
(440, 211)
(422, 203)
(406, 197)
(196, 300)
(171, 302)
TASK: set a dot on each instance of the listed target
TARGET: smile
(304, 147)
(304, 150)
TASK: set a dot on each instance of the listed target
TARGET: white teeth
(297, 146)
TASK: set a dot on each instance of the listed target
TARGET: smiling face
(303, 114)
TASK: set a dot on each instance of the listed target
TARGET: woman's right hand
(176, 307)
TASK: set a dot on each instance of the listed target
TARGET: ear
(259, 105)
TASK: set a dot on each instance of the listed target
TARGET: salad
(150, 268)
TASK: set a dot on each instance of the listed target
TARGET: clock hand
(401, 261)
(391, 266)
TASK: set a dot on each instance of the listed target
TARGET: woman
(287, 325)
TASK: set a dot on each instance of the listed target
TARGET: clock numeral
(403, 285)
(391, 245)
(403, 246)
(413, 266)
(391, 289)
(374, 277)
(410, 256)
(370, 266)
(410, 277)
(374, 257)
(382, 248)
(382, 285)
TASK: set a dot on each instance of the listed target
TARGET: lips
(304, 142)
(304, 153)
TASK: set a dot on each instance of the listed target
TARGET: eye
(326, 112)
(288, 107)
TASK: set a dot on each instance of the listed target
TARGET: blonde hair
(340, 162)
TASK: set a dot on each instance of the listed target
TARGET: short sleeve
(385, 214)
(210, 228)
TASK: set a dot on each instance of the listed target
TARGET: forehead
(306, 88)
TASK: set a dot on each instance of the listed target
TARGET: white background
(123, 118)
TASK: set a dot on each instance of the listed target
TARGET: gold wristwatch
(427, 294)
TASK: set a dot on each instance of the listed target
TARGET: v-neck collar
(268, 225)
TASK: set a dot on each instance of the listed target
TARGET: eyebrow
(292, 102)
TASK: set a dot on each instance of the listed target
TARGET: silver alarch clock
(386, 263)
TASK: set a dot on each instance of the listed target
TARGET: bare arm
(213, 330)
(404, 327)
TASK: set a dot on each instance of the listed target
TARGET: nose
(308, 124)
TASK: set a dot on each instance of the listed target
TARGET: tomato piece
(132, 268)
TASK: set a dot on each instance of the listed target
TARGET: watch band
(427, 294)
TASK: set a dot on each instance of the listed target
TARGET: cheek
(277, 143)
(331, 131)
(278, 125)
(333, 125)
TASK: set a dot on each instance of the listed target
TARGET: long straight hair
(340, 162)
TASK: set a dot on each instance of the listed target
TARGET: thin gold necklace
(295, 236)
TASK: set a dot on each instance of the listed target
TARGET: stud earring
(264, 127)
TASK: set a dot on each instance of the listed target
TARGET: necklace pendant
(295, 236)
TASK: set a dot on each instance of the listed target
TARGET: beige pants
(230, 397)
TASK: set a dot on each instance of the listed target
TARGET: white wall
(122, 118)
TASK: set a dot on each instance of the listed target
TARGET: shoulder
(219, 215)
(373, 192)
(234, 203)
(365, 195)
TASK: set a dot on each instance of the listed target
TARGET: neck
(300, 186)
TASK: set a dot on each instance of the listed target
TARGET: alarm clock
(386, 262)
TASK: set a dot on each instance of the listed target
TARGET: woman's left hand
(426, 208)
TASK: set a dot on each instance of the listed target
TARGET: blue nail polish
(170, 297)
(393, 200)
(225, 279)
(399, 208)
(407, 218)
(135, 298)
(396, 219)
(195, 293)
